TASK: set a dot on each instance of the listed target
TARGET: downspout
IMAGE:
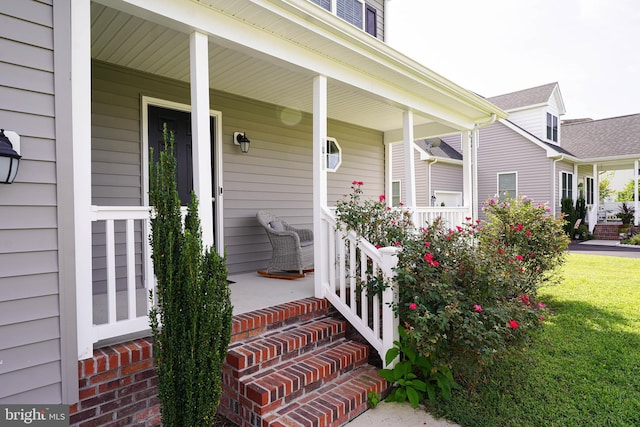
(475, 144)
(553, 203)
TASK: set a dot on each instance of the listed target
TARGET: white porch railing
(451, 216)
(352, 262)
(118, 256)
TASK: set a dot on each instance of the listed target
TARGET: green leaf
(413, 396)
(388, 375)
(419, 385)
(392, 353)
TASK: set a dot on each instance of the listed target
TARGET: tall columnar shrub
(569, 212)
(581, 209)
(192, 315)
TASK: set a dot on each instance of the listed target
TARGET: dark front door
(180, 123)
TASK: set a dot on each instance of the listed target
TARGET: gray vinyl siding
(379, 6)
(421, 169)
(30, 342)
(446, 177)
(503, 150)
(275, 175)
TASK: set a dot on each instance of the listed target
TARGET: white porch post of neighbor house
(636, 196)
(321, 263)
(467, 172)
(409, 165)
(201, 132)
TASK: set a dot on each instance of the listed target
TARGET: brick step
(249, 356)
(333, 404)
(257, 322)
(272, 388)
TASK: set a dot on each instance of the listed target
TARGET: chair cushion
(276, 225)
(306, 243)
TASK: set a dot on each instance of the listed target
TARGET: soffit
(155, 46)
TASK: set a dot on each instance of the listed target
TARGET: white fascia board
(187, 16)
(608, 159)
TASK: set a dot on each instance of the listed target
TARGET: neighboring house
(88, 85)
(534, 153)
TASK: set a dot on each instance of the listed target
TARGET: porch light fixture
(239, 138)
(9, 157)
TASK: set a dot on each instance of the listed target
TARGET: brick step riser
(245, 358)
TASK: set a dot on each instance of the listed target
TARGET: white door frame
(217, 185)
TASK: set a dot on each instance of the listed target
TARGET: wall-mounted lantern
(240, 138)
(9, 156)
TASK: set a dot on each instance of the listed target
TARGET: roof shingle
(615, 136)
(522, 98)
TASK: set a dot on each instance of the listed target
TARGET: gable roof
(441, 150)
(523, 98)
(611, 137)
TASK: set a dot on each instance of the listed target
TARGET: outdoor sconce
(9, 156)
(239, 138)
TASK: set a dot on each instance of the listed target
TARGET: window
(588, 183)
(567, 185)
(396, 195)
(552, 127)
(351, 11)
(334, 155)
(507, 185)
(370, 23)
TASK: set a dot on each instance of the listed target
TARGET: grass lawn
(583, 368)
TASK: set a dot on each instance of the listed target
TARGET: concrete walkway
(398, 414)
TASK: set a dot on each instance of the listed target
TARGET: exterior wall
(118, 386)
(30, 333)
(533, 120)
(503, 150)
(446, 177)
(275, 175)
(423, 198)
(379, 6)
(562, 167)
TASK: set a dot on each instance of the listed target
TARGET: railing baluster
(131, 270)
(352, 276)
(111, 270)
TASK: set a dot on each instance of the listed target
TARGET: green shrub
(569, 215)
(191, 320)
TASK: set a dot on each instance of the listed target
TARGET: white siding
(30, 344)
(533, 120)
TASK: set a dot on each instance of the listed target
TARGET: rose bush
(466, 293)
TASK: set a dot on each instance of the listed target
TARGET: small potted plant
(626, 214)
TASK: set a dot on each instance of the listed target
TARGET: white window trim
(498, 182)
(561, 192)
(399, 181)
(335, 141)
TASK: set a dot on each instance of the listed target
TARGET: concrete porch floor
(252, 291)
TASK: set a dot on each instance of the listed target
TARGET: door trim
(217, 174)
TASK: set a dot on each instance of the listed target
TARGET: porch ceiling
(134, 37)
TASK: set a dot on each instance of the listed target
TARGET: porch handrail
(344, 284)
(132, 323)
(451, 216)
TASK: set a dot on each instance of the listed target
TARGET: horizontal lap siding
(446, 177)
(275, 175)
(503, 150)
(29, 307)
(421, 168)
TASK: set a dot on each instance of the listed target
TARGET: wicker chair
(292, 247)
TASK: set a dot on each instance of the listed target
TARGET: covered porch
(287, 74)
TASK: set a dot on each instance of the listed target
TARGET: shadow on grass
(581, 369)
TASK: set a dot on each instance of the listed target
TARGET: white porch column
(596, 188)
(321, 263)
(409, 165)
(201, 132)
(79, 81)
(574, 184)
(635, 192)
(467, 191)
